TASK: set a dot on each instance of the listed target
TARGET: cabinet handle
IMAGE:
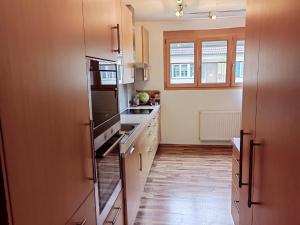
(113, 146)
(141, 162)
(132, 149)
(251, 154)
(81, 223)
(116, 216)
(94, 179)
(118, 50)
(242, 133)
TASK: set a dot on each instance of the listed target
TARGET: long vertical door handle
(141, 162)
(250, 181)
(118, 50)
(93, 151)
(242, 133)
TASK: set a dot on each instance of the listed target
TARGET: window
(204, 59)
(239, 61)
(181, 60)
(214, 61)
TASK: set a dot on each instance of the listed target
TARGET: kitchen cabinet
(271, 189)
(142, 44)
(137, 163)
(148, 145)
(116, 214)
(44, 110)
(132, 182)
(127, 75)
(102, 28)
(235, 191)
(142, 53)
(249, 104)
(86, 213)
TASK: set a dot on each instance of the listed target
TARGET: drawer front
(235, 153)
(86, 214)
(235, 193)
(235, 179)
(235, 212)
(116, 214)
(235, 166)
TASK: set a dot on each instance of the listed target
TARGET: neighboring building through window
(239, 61)
(182, 63)
(214, 61)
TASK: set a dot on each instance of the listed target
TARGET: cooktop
(137, 111)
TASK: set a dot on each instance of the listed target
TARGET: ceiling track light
(179, 11)
(212, 16)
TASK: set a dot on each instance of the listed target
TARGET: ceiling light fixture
(179, 11)
(212, 16)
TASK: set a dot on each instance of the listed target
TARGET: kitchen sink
(128, 129)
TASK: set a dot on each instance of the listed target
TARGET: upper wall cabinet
(142, 53)
(142, 45)
(102, 28)
(127, 45)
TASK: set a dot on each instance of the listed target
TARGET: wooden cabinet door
(145, 45)
(86, 213)
(132, 183)
(101, 18)
(249, 101)
(276, 161)
(116, 214)
(127, 45)
(44, 109)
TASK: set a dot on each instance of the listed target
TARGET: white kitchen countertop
(141, 119)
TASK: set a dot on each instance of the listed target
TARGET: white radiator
(219, 125)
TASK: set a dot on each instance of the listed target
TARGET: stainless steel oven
(105, 124)
(109, 174)
(103, 82)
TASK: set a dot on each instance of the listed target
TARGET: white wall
(180, 108)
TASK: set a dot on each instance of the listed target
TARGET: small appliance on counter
(149, 97)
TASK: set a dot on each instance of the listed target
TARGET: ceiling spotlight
(212, 15)
(179, 11)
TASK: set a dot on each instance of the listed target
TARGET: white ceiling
(149, 10)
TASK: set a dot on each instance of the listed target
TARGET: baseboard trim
(229, 147)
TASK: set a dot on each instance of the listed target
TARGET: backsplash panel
(126, 91)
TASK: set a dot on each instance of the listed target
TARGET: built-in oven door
(109, 185)
(103, 78)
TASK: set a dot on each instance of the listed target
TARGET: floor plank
(188, 187)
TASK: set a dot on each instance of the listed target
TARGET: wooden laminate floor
(188, 187)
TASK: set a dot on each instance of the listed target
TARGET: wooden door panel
(145, 45)
(44, 109)
(99, 18)
(127, 45)
(86, 212)
(276, 166)
(249, 99)
(132, 179)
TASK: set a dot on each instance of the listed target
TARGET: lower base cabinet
(86, 214)
(137, 162)
(132, 182)
(235, 192)
(116, 214)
